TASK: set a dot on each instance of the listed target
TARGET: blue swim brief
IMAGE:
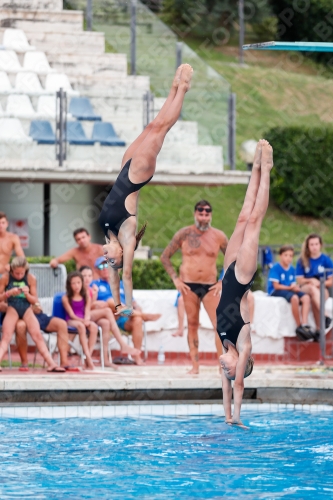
(121, 322)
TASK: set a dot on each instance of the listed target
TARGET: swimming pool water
(284, 455)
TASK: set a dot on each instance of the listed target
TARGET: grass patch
(17, 364)
(169, 208)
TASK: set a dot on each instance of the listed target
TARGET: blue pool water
(283, 455)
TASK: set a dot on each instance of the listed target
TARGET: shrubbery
(147, 274)
(307, 20)
(302, 178)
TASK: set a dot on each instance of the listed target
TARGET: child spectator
(309, 269)
(282, 283)
(20, 290)
(77, 304)
(102, 314)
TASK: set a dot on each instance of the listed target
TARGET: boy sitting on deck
(282, 283)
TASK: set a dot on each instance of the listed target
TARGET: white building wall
(24, 200)
(73, 206)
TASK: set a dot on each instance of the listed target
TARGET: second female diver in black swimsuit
(240, 263)
(118, 216)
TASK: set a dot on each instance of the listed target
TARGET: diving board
(296, 46)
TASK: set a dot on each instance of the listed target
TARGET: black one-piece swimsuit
(114, 212)
(229, 319)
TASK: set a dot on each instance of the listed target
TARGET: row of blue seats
(103, 132)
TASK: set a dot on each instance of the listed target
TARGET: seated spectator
(309, 269)
(132, 324)
(20, 290)
(84, 254)
(77, 305)
(49, 324)
(282, 283)
(101, 314)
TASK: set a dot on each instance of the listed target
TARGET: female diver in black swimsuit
(240, 263)
(118, 215)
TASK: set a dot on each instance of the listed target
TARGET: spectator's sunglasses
(201, 209)
(103, 266)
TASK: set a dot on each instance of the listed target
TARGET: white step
(73, 18)
(32, 4)
(84, 41)
(99, 83)
(178, 160)
(88, 64)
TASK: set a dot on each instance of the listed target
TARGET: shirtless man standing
(9, 242)
(85, 254)
(200, 245)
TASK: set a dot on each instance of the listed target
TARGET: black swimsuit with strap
(114, 212)
(229, 318)
(18, 302)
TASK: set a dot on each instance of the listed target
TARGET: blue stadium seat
(81, 109)
(104, 133)
(41, 131)
(76, 135)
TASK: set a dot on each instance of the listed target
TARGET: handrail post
(322, 319)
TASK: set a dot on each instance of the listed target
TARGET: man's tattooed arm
(174, 245)
(224, 243)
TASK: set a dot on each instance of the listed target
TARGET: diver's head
(113, 253)
(229, 362)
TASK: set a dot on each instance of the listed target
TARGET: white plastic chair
(37, 62)
(28, 83)
(5, 85)
(47, 107)
(11, 130)
(19, 106)
(14, 39)
(55, 81)
(9, 61)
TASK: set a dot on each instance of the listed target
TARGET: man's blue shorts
(43, 320)
(286, 294)
(121, 322)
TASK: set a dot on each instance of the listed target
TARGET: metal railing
(323, 288)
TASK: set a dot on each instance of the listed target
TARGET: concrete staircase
(103, 78)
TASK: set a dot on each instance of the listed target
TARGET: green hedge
(147, 274)
(70, 264)
(302, 177)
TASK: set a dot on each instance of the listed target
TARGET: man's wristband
(118, 305)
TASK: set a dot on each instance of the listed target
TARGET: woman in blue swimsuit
(240, 262)
(118, 216)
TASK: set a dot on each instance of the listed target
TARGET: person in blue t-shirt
(282, 283)
(309, 269)
(131, 324)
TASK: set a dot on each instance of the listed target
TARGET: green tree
(305, 21)
(216, 19)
